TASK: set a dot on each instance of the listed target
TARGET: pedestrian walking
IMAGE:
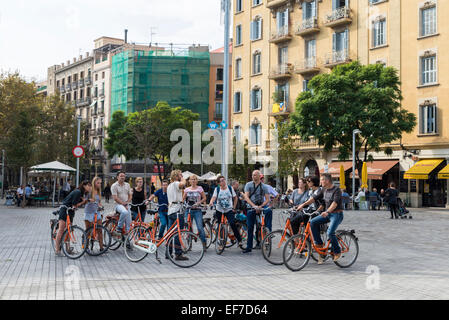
(391, 198)
(107, 192)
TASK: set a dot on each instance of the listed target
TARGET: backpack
(262, 195)
(218, 189)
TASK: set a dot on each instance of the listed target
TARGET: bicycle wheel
(243, 233)
(111, 225)
(188, 257)
(296, 253)
(54, 232)
(231, 239)
(214, 230)
(74, 242)
(222, 237)
(93, 240)
(273, 246)
(349, 249)
(134, 250)
(209, 233)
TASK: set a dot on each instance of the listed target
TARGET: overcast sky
(37, 34)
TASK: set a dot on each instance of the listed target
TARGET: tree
(120, 141)
(288, 160)
(352, 97)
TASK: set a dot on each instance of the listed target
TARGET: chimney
(126, 35)
(62, 65)
(74, 60)
(68, 62)
(87, 54)
(81, 57)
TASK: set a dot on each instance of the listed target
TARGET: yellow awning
(421, 170)
(444, 174)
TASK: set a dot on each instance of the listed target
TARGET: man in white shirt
(19, 193)
(121, 192)
(174, 195)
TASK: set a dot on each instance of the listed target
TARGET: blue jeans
(163, 217)
(125, 217)
(251, 221)
(197, 215)
(171, 222)
(231, 220)
(335, 219)
(135, 214)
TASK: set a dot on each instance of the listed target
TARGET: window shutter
(334, 42)
(421, 119)
(259, 134)
(252, 135)
(252, 30)
(435, 117)
(251, 99)
(260, 30)
(346, 39)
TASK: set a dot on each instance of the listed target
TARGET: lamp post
(3, 174)
(78, 143)
(226, 8)
(354, 133)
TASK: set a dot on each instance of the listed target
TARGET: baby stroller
(403, 212)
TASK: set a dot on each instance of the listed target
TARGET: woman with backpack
(391, 197)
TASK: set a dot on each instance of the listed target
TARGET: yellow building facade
(298, 39)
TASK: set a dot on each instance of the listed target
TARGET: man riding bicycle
(257, 196)
(331, 195)
(121, 192)
(226, 204)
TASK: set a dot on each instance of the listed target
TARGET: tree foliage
(352, 97)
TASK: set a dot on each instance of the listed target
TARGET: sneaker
(181, 258)
(257, 247)
(59, 254)
(337, 256)
(204, 246)
(240, 245)
(117, 233)
(320, 259)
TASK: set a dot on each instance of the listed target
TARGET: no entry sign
(78, 151)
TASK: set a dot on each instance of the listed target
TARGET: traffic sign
(78, 151)
(213, 125)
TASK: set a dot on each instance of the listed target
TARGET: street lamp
(354, 133)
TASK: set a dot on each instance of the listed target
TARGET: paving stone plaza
(399, 259)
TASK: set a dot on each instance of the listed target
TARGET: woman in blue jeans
(194, 196)
(333, 214)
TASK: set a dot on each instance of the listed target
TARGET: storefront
(426, 182)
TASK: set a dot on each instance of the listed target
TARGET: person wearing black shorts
(73, 200)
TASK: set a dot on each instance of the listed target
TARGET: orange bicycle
(223, 232)
(206, 224)
(298, 249)
(98, 238)
(73, 239)
(142, 241)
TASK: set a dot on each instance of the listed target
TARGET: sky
(37, 34)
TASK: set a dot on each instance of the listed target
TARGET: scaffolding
(140, 79)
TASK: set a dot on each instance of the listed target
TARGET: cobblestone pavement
(411, 256)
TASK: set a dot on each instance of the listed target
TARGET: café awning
(377, 169)
(334, 168)
(422, 169)
(444, 174)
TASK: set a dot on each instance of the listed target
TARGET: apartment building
(304, 38)
(216, 85)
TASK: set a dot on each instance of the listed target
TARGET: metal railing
(338, 14)
(68, 87)
(310, 23)
(337, 57)
(62, 89)
(307, 63)
(281, 70)
(101, 92)
(75, 85)
(280, 33)
(81, 83)
(88, 81)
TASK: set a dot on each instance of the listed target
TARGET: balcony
(307, 66)
(94, 112)
(335, 58)
(280, 110)
(300, 144)
(271, 4)
(68, 87)
(81, 83)
(339, 17)
(88, 81)
(281, 72)
(281, 35)
(102, 93)
(100, 132)
(62, 89)
(75, 85)
(307, 27)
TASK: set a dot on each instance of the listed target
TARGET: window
(220, 74)
(96, 77)
(218, 110)
(256, 29)
(238, 6)
(255, 134)
(81, 93)
(257, 63)
(336, 4)
(428, 70)
(283, 90)
(379, 33)
(102, 75)
(428, 119)
(283, 56)
(238, 35)
(310, 49)
(238, 68)
(238, 102)
(428, 21)
(256, 2)
(282, 22)
(256, 99)
(309, 10)
(219, 92)
(237, 133)
(305, 85)
(340, 45)
(102, 108)
(375, 1)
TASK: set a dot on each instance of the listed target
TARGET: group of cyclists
(316, 194)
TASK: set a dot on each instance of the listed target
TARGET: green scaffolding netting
(140, 79)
